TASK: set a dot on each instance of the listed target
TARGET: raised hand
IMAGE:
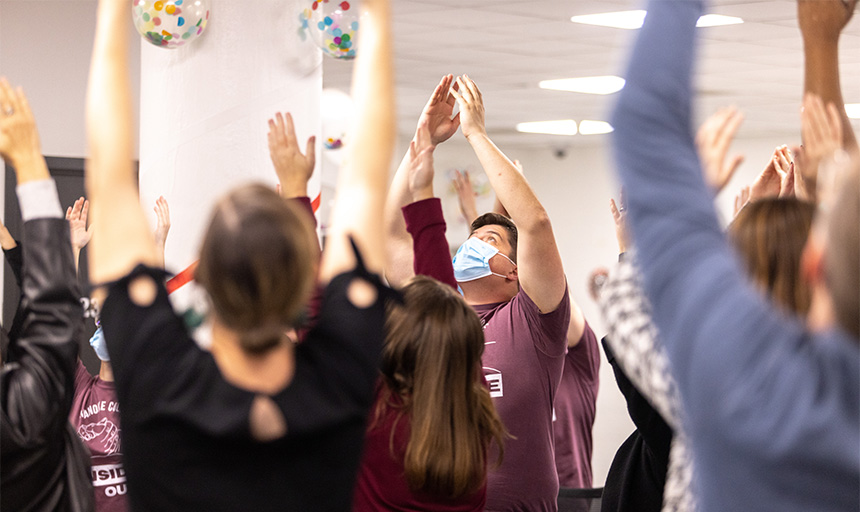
(596, 280)
(741, 200)
(773, 179)
(471, 104)
(77, 217)
(19, 139)
(162, 212)
(788, 181)
(822, 136)
(421, 164)
(824, 20)
(620, 219)
(6, 240)
(293, 168)
(465, 195)
(713, 141)
(437, 113)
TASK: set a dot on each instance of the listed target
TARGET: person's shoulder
(522, 301)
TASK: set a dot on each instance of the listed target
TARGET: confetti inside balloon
(332, 143)
(170, 23)
(333, 26)
(337, 112)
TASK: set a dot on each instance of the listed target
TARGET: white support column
(204, 111)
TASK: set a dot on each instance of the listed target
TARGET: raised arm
(713, 140)
(777, 178)
(361, 186)
(424, 219)
(539, 266)
(12, 251)
(80, 234)
(718, 332)
(821, 24)
(162, 227)
(122, 236)
(465, 196)
(822, 129)
(37, 390)
(436, 119)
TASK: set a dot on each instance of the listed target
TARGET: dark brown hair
(498, 219)
(432, 363)
(842, 254)
(257, 264)
(770, 235)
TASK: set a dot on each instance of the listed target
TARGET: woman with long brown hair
(426, 444)
(769, 235)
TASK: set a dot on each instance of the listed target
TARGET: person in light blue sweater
(771, 404)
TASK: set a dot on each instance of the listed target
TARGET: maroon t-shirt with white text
(523, 359)
(95, 417)
(575, 405)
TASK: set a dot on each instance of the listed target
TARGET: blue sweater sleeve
(688, 268)
(754, 385)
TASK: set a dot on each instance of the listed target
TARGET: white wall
(206, 109)
(45, 46)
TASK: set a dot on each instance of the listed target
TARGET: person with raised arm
(437, 119)
(95, 413)
(771, 405)
(821, 24)
(257, 423)
(576, 400)
(428, 437)
(294, 170)
(45, 466)
(522, 300)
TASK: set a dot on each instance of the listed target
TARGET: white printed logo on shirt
(494, 381)
(105, 432)
(111, 478)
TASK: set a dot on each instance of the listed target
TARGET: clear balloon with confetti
(170, 23)
(332, 25)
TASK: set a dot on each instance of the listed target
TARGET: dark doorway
(69, 175)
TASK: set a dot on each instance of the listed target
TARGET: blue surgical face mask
(99, 345)
(472, 260)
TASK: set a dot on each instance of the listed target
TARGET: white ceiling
(508, 46)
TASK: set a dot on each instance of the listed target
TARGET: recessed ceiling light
(622, 19)
(595, 127)
(587, 85)
(853, 110)
(718, 20)
(632, 20)
(562, 127)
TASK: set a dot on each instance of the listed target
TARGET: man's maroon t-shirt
(95, 417)
(523, 360)
(575, 405)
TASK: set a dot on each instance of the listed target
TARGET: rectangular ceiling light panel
(561, 127)
(586, 85)
(632, 20)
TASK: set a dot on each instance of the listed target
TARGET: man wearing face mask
(510, 272)
(95, 417)
(95, 409)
